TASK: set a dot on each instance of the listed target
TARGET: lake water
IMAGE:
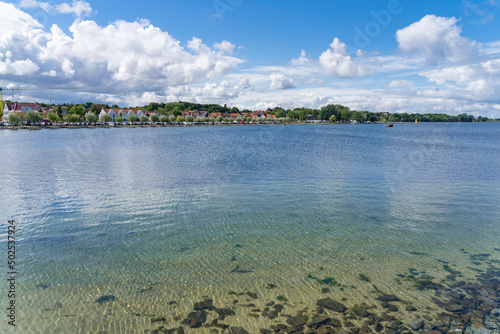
(161, 218)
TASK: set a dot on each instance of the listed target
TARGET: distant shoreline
(54, 127)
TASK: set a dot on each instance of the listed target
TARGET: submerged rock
(416, 324)
(452, 307)
(225, 311)
(106, 298)
(331, 304)
(297, 321)
(252, 295)
(318, 320)
(208, 303)
(360, 312)
(388, 298)
(195, 319)
(238, 330)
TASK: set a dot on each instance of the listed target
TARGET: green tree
(180, 119)
(163, 118)
(329, 110)
(346, 114)
(189, 119)
(87, 105)
(59, 111)
(153, 106)
(154, 118)
(176, 111)
(105, 118)
(96, 109)
(33, 117)
(54, 118)
(219, 119)
(279, 112)
(172, 118)
(119, 119)
(14, 118)
(77, 110)
(143, 119)
(332, 119)
(73, 118)
(132, 118)
(90, 117)
(357, 116)
(115, 106)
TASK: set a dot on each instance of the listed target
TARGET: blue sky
(391, 55)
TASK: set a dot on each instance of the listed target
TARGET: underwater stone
(416, 324)
(278, 307)
(410, 308)
(252, 295)
(452, 307)
(270, 314)
(331, 304)
(491, 324)
(323, 330)
(278, 327)
(104, 299)
(318, 320)
(224, 311)
(388, 298)
(334, 323)
(203, 305)
(378, 327)
(393, 308)
(297, 321)
(360, 312)
(195, 319)
(237, 330)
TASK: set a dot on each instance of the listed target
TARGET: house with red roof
(123, 113)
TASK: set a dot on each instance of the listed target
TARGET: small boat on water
(389, 125)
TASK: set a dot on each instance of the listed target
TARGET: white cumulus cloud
(337, 62)
(437, 39)
(303, 60)
(479, 81)
(280, 81)
(79, 8)
(121, 57)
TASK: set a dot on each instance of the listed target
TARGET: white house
(120, 113)
(21, 109)
(109, 112)
(123, 113)
(137, 112)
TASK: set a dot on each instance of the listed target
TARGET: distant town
(35, 114)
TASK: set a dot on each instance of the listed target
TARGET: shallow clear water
(157, 215)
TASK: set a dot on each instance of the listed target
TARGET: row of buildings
(23, 108)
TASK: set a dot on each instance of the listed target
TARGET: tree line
(334, 113)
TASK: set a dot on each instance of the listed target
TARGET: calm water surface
(161, 218)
